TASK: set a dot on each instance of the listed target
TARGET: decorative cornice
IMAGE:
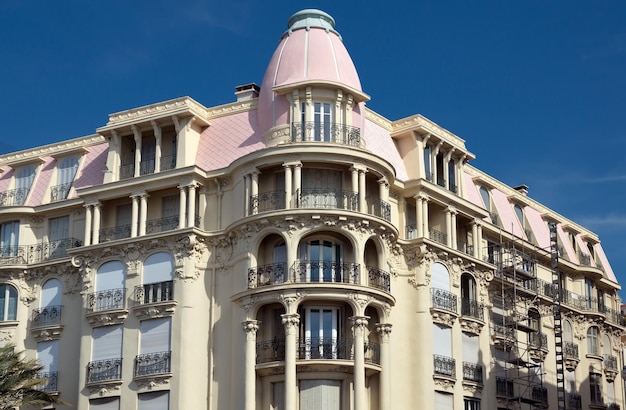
(232, 108)
(51, 150)
(159, 110)
(378, 119)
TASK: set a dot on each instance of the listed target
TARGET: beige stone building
(295, 250)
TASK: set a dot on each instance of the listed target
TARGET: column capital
(383, 181)
(451, 210)
(383, 329)
(290, 320)
(251, 326)
(288, 164)
(359, 321)
(422, 197)
(136, 131)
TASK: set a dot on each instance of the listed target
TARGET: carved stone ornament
(473, 388)
(443, 317)
(48, 333)
(571, 363)
(105, 389)
(154, 382)
(444, 383)
(471, 325)
(107, 317)
(155, 310)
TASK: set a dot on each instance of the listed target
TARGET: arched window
(469, 303)
(440, 276)
(8, 302)
(110, 292)
(157, 279)
(592, 341)
(321, 261)
(50, 312)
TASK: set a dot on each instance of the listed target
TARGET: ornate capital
(359, 322)
(290, 321)
(251, 326)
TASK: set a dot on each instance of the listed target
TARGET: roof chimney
(522, 189)
(247, 92)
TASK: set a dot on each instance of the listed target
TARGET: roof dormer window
(65, 177)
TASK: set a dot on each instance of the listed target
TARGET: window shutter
(443, 401)
(442, 340)
(110, 276)
(320, 394)
(107, 342)
(67, 171)
(109, 403)
(51, 293)
(158, 267)
(440, 278)
(48, 355)
(158, 400)
(470, 348)
(155, 335)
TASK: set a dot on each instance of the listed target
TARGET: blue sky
(537, 89)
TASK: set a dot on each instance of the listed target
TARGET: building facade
(296, 250)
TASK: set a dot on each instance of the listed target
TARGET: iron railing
(152, 363)
(167, 223)
(104, 370)
(379, 279)
(539, 394)
(465, 247)
(50, 382)
(154, 292)
(574, 402)
(327, 199)
(168, 162)
(411, 231)
(270, 350)
(472, 308)
(326, 271)
(331, 348)
(40, 252)
(504, 387)
(379, 208)
(570, 350)
(14, 197)
(127, 171)
(538, 340)
(60, 192)
(265, 275)
(438, 236)
(610, 362)
(106, 300)
(311, 131)
(442, 299)
(117, 232)
(146, 167)
(472, 372)
(46, 316)
(445, 366)
(267, 201)
(584, 259)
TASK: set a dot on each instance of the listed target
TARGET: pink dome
(310, 51)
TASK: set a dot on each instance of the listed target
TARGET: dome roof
(310, 51)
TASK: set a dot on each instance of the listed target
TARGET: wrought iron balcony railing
(472, 308)
(267, 201)
(411, 231)
(444, 366)
(312, 131)
(117, 232)
(379, 208)
(50, 382)
(379, 279)
(60, 192)
(104, 370)
(538, 340)
(46, 316)
(109, 299)
(540, 394)
(146, 167)
(168, 162)
(324, 271)
(574, 402)
(167, 223)
(265, 275)
(327, 199)
(472, 372)
(613, 406)
(610, 362)
(442, 299)
(438, 236)
(40, 252)
(570, 350)
(14, 197)
(331, 348)
(152, 363)
(465, 247)
(127, 171)
(154, 292)
(504, 387)
(270, 350)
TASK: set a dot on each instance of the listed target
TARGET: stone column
(479, 241)
(475, 241)
(137, 134)
(96, 223)
(254, 187)
(182, 207)
(250, 327)
(359, 324)
(157, 149)
(291, 322)
(449, 227)
(87, 239)
(134, 215)
(191, 213)
(246, 195)
(426, 231)
(383, 186)
(143, 213)
(288, 185)
(362, 204)
(297, 182)
(453, 214)
(384, 331)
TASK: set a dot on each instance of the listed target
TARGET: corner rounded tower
(310, 82)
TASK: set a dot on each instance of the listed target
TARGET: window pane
(155, 335)
(158, 267)
(107, 342)
(320, 394)
(110, 403)
(159, 400)
(48, 355)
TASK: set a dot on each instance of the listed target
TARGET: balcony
(267, 275)
(60, 192)
(154, 300)
(504, 387)
(326, 272)
(267, 201)
(611, 367)
(465, 248)
(167, 223)
(442, 299)
(14, 197)
(332, 348)
(107, 307)
(108, 370)
(472, 316)
(503, 336)
(127, 171)
(438, 236)
(46, 316)
(41, 252)
(311, 131)
(574, 402)
(115, 233)
(538, 345)
(379, 279)
(444, 366)
(153, 364)
(327, 199)
(411, 231)
(539, 395)
(270, 350)
(49, 384)
(570, 355)
(613, 406)
(472, 372)
(379, 208)
(168, 162)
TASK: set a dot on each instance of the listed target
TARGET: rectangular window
(320, 394)
(158, 400)
(107, 342)
(443, 401)
(321, 330)
(278, 396)
(471, 404)
(9, 238)
(58, 236)
(109, 403)
(154, 357)
(322, 121)
(427, 163)
(595, 385)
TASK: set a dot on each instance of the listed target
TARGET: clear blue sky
(537, 89)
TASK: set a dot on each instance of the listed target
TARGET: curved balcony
(326, 272)
(267, 201)
(313, 131)
(444, 307)
(316, 198)
(37, 253)
(570, 355)
(314, 348)
(472, 316)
